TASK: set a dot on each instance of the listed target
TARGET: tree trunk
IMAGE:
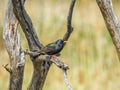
(40, 68)
(11, 38)
(111, 22)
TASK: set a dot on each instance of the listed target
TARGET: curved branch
(26, 25)
(69, 20)
(40, 68)
(111, 22)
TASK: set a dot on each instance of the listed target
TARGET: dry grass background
(90, 53)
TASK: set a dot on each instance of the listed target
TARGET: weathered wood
(11, 38)
(26, 25)
(40, 68)
(111, 22)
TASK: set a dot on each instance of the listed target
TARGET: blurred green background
(90, 53)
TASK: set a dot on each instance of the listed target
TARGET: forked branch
(41, 66)
(45, 57)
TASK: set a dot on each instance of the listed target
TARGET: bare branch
(26, 25)
(66, 80)
(32, 53)
(111, 22)
(69, 20)
(40, 57)
(54, 60)
(59, 63)
(40, 68)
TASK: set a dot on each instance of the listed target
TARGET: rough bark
(26, 25)
(40, 68)
(11, 38)
(111, 22)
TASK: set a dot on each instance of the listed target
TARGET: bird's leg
(56, 55)
(53, 56)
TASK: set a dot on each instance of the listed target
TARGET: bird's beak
(65, 42)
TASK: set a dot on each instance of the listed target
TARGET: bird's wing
(51, 47)
(48, 48)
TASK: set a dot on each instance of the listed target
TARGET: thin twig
(7, 68)
(66, 80)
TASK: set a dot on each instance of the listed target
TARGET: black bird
(54, 48)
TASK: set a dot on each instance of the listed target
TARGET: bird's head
(60, 42)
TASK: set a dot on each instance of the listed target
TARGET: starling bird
(53, 48)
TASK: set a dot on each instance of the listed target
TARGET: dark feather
(53, 48)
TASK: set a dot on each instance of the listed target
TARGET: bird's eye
(60, 45)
